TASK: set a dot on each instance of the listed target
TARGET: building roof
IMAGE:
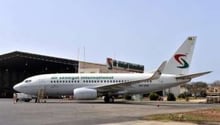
(18, 59)
(19, 54)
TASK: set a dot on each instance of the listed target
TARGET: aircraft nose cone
(17, 87)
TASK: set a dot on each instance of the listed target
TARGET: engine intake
(84, 94)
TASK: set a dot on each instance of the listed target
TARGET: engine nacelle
(84, 94)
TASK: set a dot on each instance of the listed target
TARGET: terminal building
(16, 66)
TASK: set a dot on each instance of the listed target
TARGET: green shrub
(184, 95)
(128, 97)
(171, 97)
(153, 96)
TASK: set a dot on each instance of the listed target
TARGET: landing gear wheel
(106, 99)
(109, 99)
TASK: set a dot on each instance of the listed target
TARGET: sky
(139, 31)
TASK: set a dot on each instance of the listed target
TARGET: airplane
(90, 86)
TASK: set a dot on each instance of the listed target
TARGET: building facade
(16, 66)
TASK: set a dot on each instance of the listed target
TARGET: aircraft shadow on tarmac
(119, 102)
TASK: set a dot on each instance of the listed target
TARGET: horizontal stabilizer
(191, 76)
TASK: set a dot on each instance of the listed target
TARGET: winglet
(159, 71)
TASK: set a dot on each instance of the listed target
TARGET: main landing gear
(109, 99)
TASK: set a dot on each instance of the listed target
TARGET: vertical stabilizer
(180, 62)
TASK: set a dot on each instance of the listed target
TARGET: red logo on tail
(180, 60)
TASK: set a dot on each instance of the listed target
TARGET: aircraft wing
(123, 85)
(191, 76)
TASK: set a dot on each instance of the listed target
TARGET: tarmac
(71, 112)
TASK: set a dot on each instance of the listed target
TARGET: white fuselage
(65, 83)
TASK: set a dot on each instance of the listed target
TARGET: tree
(184, 95)
(171, 97)
(198, 89)
(216, 83)
(153, 96)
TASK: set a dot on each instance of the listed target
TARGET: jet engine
(84, 94)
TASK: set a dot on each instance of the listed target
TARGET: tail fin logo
(179, 58)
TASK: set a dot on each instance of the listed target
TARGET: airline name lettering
(83, 78)
(64, 78)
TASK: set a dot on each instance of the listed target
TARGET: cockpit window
(27, 81)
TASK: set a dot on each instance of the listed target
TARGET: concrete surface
(140, 122)
(65, 112)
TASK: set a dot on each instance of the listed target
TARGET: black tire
(27, 100)
(106, 99)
